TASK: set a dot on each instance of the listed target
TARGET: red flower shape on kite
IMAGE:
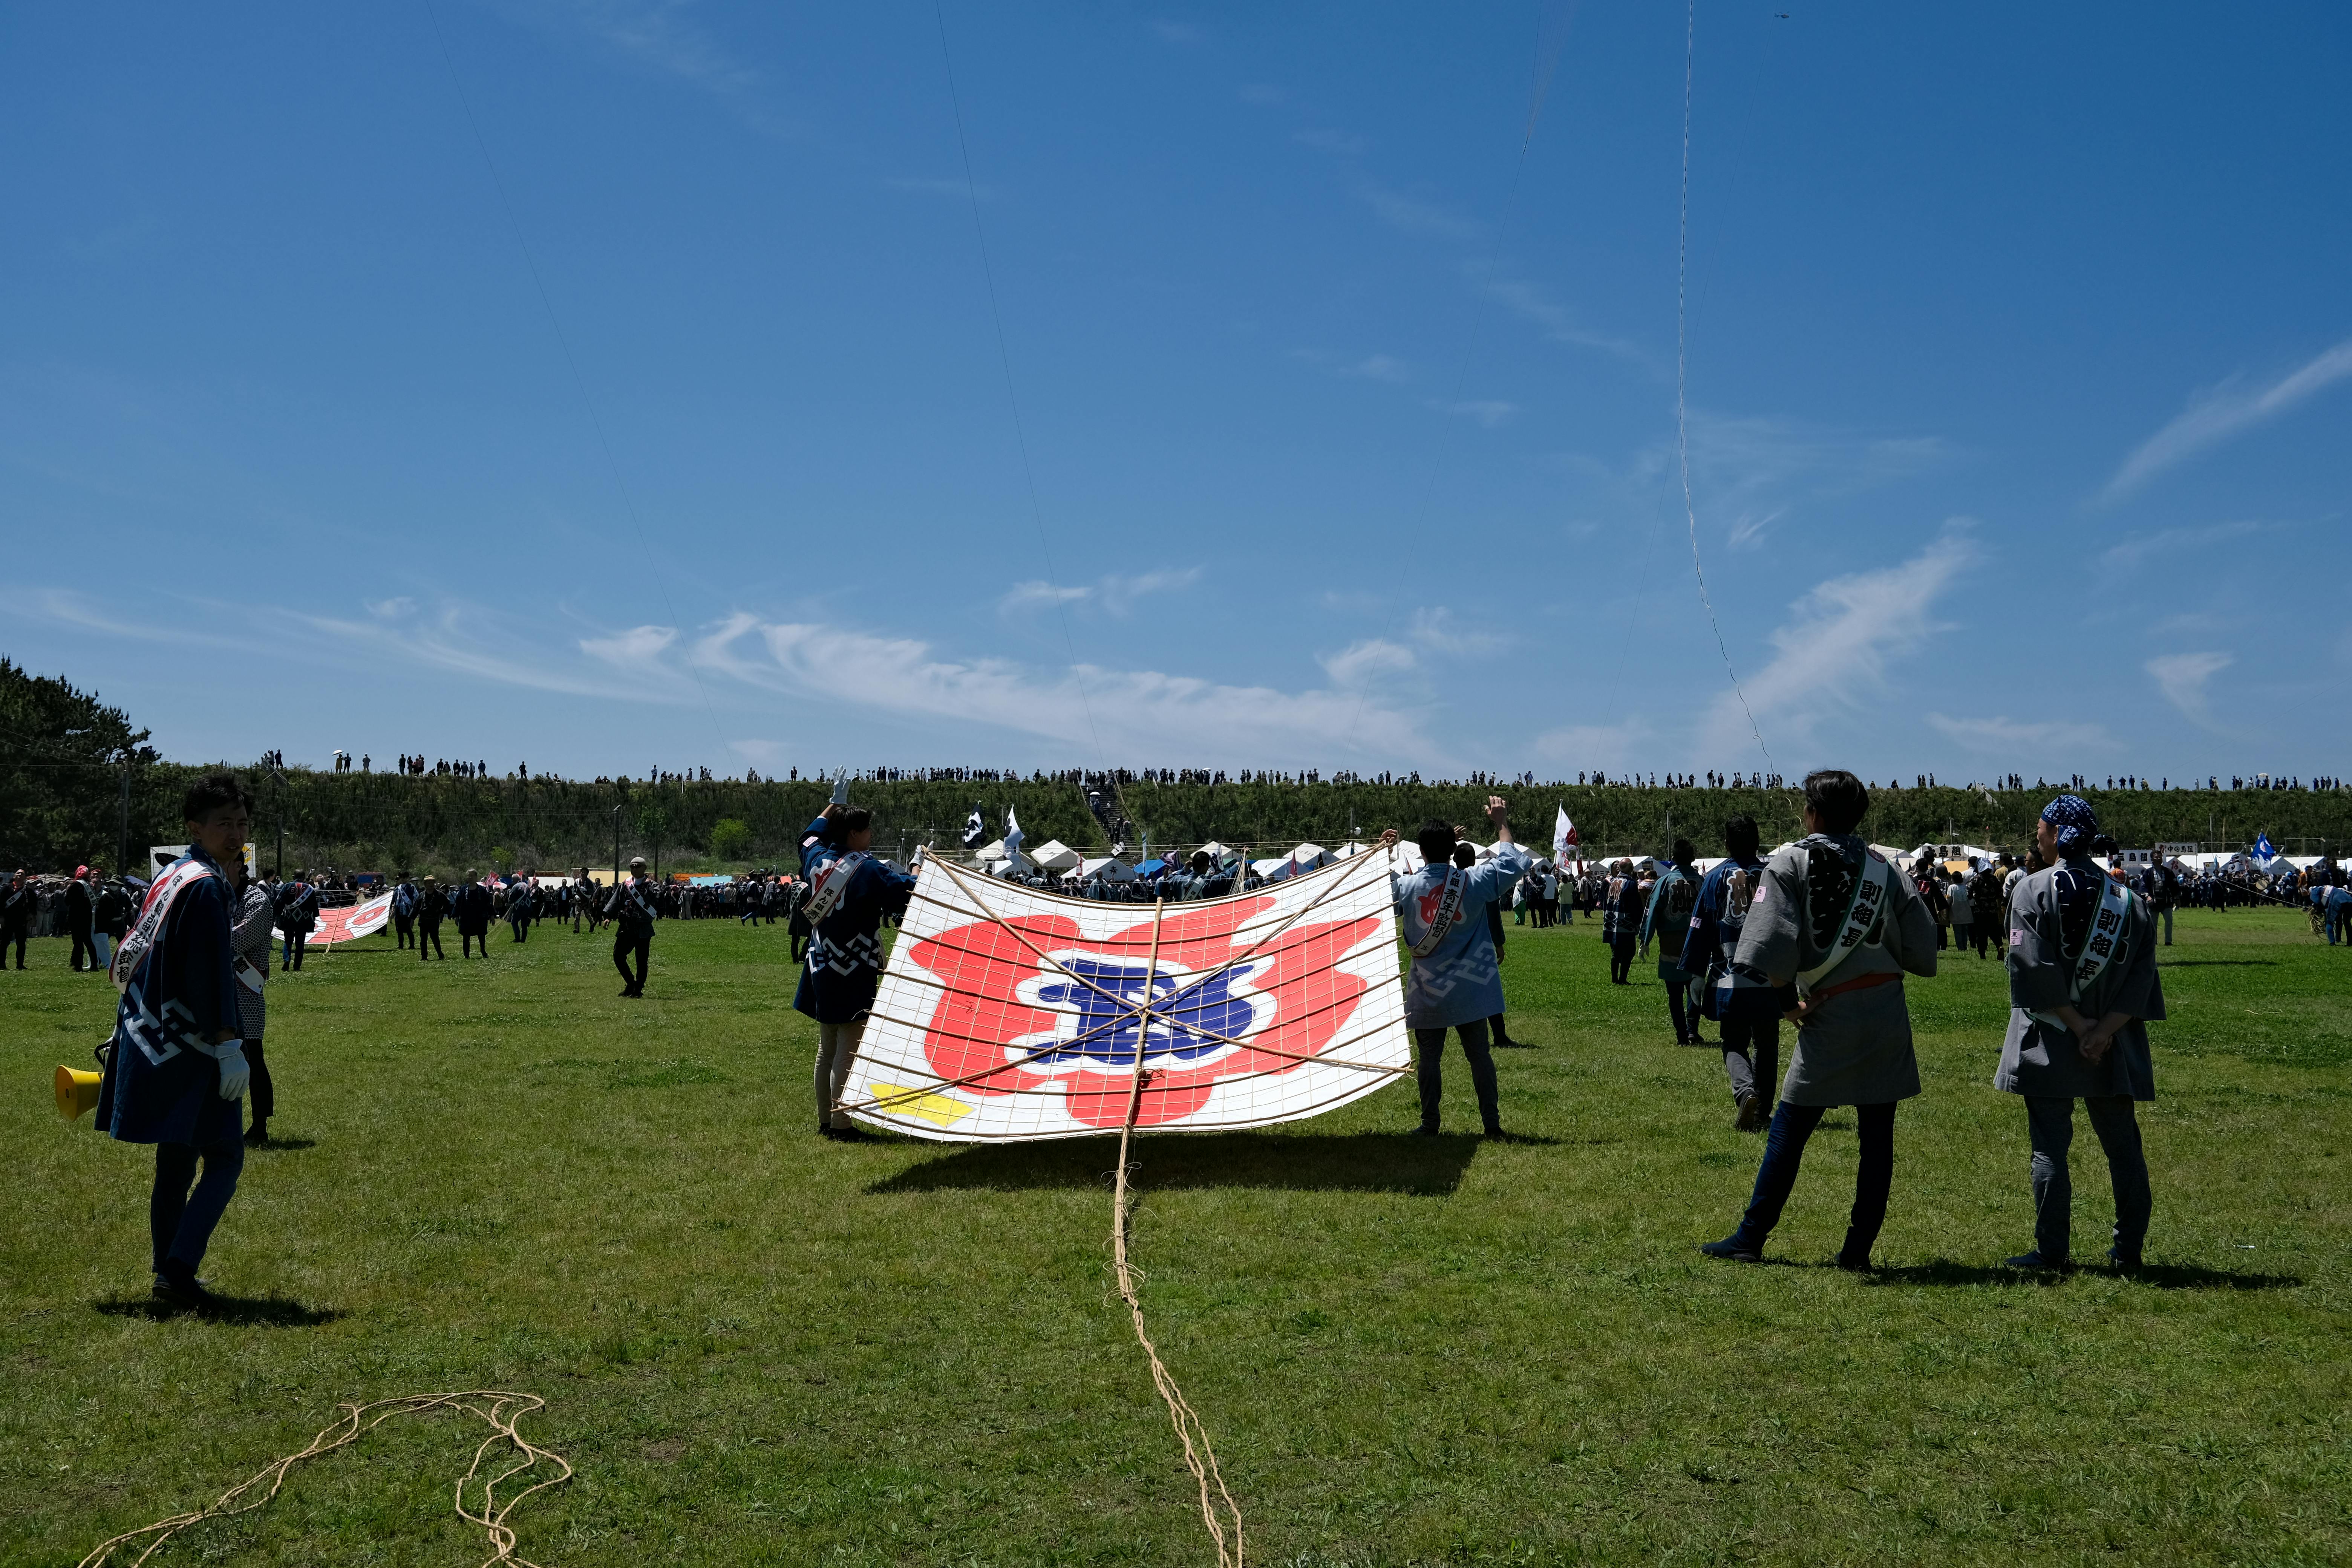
(1269, 1012)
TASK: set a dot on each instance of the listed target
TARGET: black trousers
(17, 936)
(83, 944)
(404, 932)
(1759, 1073)
(1432, 1069)
(260, 1091)
(522, 929)
(625, 942)
(465, 939)
(429, 932)
(1621, 960)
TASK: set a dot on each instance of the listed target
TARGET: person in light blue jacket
(1456, 983)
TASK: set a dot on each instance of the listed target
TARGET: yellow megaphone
(76, 1091)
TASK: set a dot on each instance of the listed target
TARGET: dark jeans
(466, 939)
(1784, 1150)
(641, 943)
(2167, 913)
(295, 941)
(17, 936)
(1760, 1074)
(1482, 1073)
(2051, 1123)
(522, 929)
(82, 944)
(260, 1091)
(404, 932)
(179, 1222)
(1684, 1016)
(429, 933)
(1621, 960)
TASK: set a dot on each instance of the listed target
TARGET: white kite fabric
(1009, 1014)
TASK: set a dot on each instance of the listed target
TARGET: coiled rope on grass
(499, 1408)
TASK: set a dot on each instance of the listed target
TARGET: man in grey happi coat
(2077, 1029)
(1844, 925)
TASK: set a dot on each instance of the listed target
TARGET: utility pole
(122, 833)
(616, 845)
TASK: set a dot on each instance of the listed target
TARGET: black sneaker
(2124, 1262)
(1732, 1250)
(1426, 1130)
(1853, 1263)
(186, 1293)
(258, 1137)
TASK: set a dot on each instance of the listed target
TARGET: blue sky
(617, 386)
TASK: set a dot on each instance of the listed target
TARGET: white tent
(1307, 856)
(1350, 850)
(1273, 871)
(1056, 855)
(1110, 867)
(1216, 851)
(989, 853)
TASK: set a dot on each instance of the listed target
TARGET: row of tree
(77, 781)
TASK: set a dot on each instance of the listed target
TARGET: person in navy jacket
(175, 1069)
(850, 891)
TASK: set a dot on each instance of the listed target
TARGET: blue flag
(2263, 852)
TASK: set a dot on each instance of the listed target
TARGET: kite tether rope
(1682, 381)
(1190, 1431)
(499, 1408)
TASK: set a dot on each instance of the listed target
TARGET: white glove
(235, 1073)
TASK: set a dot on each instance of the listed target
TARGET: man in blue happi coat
(1743, 1001)
(849, 892)
(1456, 981)
(175, 1069)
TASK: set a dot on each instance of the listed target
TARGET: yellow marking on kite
(940, 1110)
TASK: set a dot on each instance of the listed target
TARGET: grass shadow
(238, 1311)
(2161, 1275)
(1360, 1162)
(2217, 964)
(282, 1145)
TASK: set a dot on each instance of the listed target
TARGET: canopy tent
(1151, 867)
(1111, 869)
(1056, 855)
(987, 853)
(1274, 870)
(1350, 850)
(1307, 856)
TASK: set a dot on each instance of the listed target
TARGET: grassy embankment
(760, 1347)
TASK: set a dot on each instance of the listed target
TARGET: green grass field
(762, 1347)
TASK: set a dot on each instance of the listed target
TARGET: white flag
(1012, 836)
(1563, 836)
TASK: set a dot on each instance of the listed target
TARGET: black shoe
(852, 1135)
(1426, 1130)
(1495, 1132)
(186, 1293)
(2124, 1262)
(2035, 1262)
(1854, 1262)
(1732, 1250)
(258, 1137)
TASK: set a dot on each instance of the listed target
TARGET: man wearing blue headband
(2082, 984)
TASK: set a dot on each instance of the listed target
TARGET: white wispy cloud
(1170, 31)
(2225, 411)
(1489, 412)
(1436, 629)
(2135, 552)
(1362, 662)
(1115, 594)
(633, 649)
(1558, 322)
(1413, 215)
(1136, 712)
(2183, 678)
(1749, 473)
(662, 35)
(391, 609)
(2012, 738)
(1835, 650)
(1378, 367)
(1262, 93)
